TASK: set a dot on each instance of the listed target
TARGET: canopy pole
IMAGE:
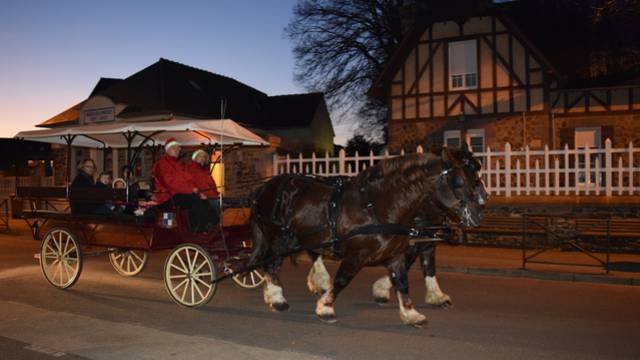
(69, 140)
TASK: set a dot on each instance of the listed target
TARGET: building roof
(292, 110)
(563, 53)
(103, 84)
(68, 117)
(169, 87)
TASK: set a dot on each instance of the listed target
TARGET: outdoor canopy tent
(188, 132)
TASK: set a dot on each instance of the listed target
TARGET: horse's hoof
(447, 305)
(382, 301)
(328, 318)
(280, 307)
(419, 323)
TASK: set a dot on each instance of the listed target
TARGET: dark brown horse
(319, 279)
(362, 221)
(426, 251)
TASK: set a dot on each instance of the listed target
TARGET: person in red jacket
(199, 168)
(174, 185)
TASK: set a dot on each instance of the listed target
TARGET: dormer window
(463, 65)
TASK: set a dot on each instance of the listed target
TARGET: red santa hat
(170, 142)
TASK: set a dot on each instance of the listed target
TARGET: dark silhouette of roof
(169, 87)
(103, 84)
(292, 110)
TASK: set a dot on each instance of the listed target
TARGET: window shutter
(463, 57)
(566, 137)
(606, 132)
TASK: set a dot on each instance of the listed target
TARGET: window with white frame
(475, 140)
(452, 139)
(463, 65)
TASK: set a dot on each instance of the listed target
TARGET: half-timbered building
(483, 81)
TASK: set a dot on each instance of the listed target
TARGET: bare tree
(340, 48)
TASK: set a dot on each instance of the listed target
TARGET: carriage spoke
(55, 244)
(204, 274)
(184, 267)
(193, 296)
(66, 246)
(137, 256)
(67, 252)
(65, 266)
(186, 251)
(50, 248)
(184, 290)
(58, 271)
(179, 268)
(203, 282)
(200, 266)
(198, 290)
(193, 261)
(181, 276)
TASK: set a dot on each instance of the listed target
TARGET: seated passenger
(200, 170)
(104, 180)
(84, 179)
(174, 185)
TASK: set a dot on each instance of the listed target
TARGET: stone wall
(621, 129)
(519, 130)
(532, 129)
(246, 168)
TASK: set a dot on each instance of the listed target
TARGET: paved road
(105, 316)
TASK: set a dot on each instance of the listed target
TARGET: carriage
(196, 261)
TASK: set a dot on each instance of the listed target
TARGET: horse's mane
(402, 168)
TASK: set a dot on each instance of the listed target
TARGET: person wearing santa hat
(174, 185)
(199, 168)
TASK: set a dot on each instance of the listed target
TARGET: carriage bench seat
(67, 216)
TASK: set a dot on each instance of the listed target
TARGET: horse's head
(472, 166)
(459, 190)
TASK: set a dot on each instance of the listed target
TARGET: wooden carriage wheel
(188, 275)
(60, 258)
(128, 262)
(249, 280)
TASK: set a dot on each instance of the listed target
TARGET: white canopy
(188, 132)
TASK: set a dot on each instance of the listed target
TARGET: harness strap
(334, 212)
(395, 229)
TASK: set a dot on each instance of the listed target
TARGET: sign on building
(99, 115)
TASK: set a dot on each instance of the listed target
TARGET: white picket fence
(579, 171)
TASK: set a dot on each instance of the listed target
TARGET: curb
(541, 275)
